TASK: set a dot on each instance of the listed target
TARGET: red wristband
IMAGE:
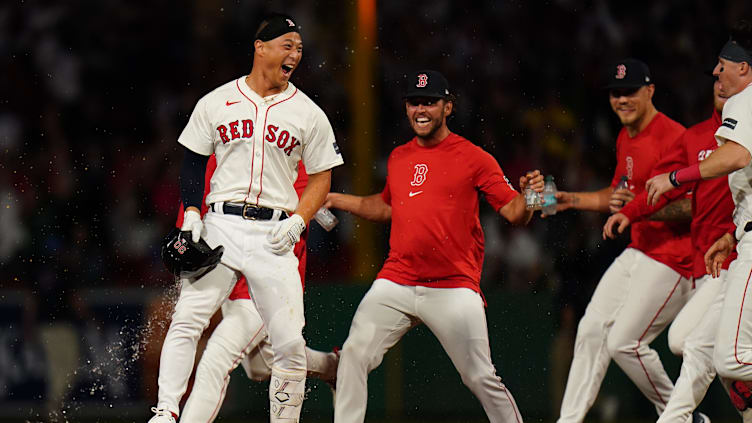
(688, 174)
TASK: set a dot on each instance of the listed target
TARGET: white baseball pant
(240, 331)
(274, 284)
(697, 372)
(239, 338)
(633, 303)
(733, 348)
(457, 319)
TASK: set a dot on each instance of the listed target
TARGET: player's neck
(262, 85)
(640, 125)
(435, 138)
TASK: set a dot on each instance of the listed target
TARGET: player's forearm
(680, 210)
(314, 194)
(192, 179)
(725, 159)
(593, 201)
(516, 212)
(370, 207)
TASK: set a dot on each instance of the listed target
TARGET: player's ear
(448, 107)
(258, 46)
(744, 68)
(651, 90)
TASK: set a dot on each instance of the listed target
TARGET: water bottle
(623, 183)
(326, 218)
(549, 196)
(532, 199)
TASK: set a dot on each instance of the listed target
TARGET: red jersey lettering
(247, 128)
(234, 130)
(223, 134)
(271, 134)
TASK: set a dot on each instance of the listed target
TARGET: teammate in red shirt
(240, 337)
(436, 253)
(647, 285)
(692, 335)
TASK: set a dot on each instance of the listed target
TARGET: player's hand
(657, 186)
(619, 221)
(192, 223)
(564, 201)
(717, 254)
(619, 198)
(331, 199)
(286, 234)
(532, 179)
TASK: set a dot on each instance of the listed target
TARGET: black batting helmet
(187, 259)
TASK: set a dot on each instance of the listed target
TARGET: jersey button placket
(258, 149)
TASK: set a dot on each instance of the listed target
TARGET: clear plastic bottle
(549, 196)
(532, 199)
(326, 218)
(623, 183)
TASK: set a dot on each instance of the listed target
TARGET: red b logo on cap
(422, 80)
(621, 72)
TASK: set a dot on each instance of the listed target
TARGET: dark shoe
(698, 417)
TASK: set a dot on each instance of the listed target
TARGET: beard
(427, 132)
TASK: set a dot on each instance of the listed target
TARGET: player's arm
(192, 175)
(593, 201)
(314, 194)
(679, 210)
(726, 159)
(371, 207)
(515, 211)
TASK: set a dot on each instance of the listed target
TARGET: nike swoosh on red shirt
(230, 103)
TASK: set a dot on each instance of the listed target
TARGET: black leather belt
(249, 211)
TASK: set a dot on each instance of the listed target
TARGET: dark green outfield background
(418, 382)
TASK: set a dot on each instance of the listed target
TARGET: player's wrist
(685, 175)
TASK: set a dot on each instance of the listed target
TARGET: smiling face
(279, 57)
(631, 104)
(427, 116)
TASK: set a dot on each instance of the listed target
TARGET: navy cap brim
(424, 95)
(625, 85)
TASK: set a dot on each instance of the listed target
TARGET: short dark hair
(742, 34)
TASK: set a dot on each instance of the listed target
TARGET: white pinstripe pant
(634, 302)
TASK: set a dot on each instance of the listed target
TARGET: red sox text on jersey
(283, 139)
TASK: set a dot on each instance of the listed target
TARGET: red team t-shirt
(436, 239)
(665, 242)
(712, 205)
(240, 291)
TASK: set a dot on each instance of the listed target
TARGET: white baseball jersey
(258, 142)
(737, 127)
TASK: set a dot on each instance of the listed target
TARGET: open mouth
(422, 121)
(286, 69)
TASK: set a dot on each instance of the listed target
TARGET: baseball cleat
(698, 417)
(740, 395)
(162, 415)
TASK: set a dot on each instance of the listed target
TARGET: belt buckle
(247, 206)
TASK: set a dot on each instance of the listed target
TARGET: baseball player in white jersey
(259, 127)
(732, 356)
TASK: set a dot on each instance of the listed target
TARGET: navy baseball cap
(274, 25)
(628, 73)
(427, 83)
